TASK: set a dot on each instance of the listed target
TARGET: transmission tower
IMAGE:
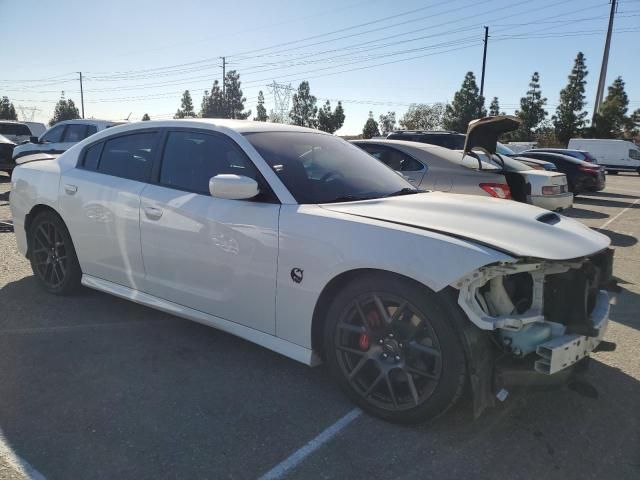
(282, 101)
(28, 113)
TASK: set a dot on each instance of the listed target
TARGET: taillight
(552, 190)
(586, 169)
(498, 190)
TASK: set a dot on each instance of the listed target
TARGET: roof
(90, 121)
(240, 126)
(13, 121)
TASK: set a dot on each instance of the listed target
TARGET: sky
(138, 56)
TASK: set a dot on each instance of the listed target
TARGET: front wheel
(391, 347)
(52, 255)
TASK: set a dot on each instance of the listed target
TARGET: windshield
(504, 150)
(318, 168)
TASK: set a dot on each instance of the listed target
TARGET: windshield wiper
(348, 198)
(404, 191)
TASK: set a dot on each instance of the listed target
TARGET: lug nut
(384, 355)
(380, 341)
(391, 335)
(397, 358)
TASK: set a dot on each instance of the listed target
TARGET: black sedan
(581, 176)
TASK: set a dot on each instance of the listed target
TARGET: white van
(614, 155)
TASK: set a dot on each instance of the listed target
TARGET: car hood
(511, 227)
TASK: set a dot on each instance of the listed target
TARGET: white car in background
(62, 136)
(273, 233)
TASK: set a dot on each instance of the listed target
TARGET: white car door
(214, 255)
(49, 141)
(100, 202)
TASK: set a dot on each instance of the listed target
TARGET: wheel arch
(30, 217)
(330, 290)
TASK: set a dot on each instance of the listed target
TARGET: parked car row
(453, 162)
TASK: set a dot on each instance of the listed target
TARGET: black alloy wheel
(52, 255)
(393, 348)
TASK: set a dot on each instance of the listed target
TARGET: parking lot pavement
(92, 386)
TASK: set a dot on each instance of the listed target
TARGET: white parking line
(293, 460)
(608, 222)
(16, 463)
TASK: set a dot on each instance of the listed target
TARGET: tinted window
(129, 156)
(92, 157)
(74, 133)
(319, 168)
(190, 159)
(91, 129)
(54, 135)
(634, 154)
(394, 159)
(14, 129)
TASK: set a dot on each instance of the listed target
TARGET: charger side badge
(297, 274)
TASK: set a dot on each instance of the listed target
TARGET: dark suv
(441, 138)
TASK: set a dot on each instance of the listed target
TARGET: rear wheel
(52, 255)
(393, 350)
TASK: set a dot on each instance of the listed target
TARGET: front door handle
(70, 189)
(153, 213)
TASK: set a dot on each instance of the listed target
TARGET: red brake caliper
(363, 342)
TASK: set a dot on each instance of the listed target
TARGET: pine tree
(7, 110)
(612, 120)
(212, 104)
(370, 129)
(328, 120)
(304, 111)
(570, 117)
(421, 116)
(494, 108)
(532, 111)
(387, 123)
(186, 107)
(260, 110)
(146, 117)
(467, 105)
(233, 101)
(65, 110)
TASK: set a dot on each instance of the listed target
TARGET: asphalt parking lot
(94, 387)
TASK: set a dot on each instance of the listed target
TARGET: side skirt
(278, 345)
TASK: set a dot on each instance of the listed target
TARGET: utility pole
(605, 62)
(224, 72)
(81, 94)
(484, 64)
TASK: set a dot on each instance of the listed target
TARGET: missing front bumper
(566, 350)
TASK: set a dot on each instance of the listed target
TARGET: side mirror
(233, 187)
(34, 139)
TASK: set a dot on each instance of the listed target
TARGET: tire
(52, 255)
(418, 355)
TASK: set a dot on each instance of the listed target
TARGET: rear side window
(190, 159)
(92, 156)
(14, 129)
(129, 156)
(54, 135)
(394, 159)
(74, 133)
(91, 129)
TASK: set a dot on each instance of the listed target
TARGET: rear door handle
(153, 213)
(70, 189)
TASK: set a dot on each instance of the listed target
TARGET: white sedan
(272, 233)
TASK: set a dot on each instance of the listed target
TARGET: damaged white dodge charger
(273, 233)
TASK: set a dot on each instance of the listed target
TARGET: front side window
(129, 156)
(191, 159)
(634, 154)
(74, 133)
(54, 135)
(318, 168)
